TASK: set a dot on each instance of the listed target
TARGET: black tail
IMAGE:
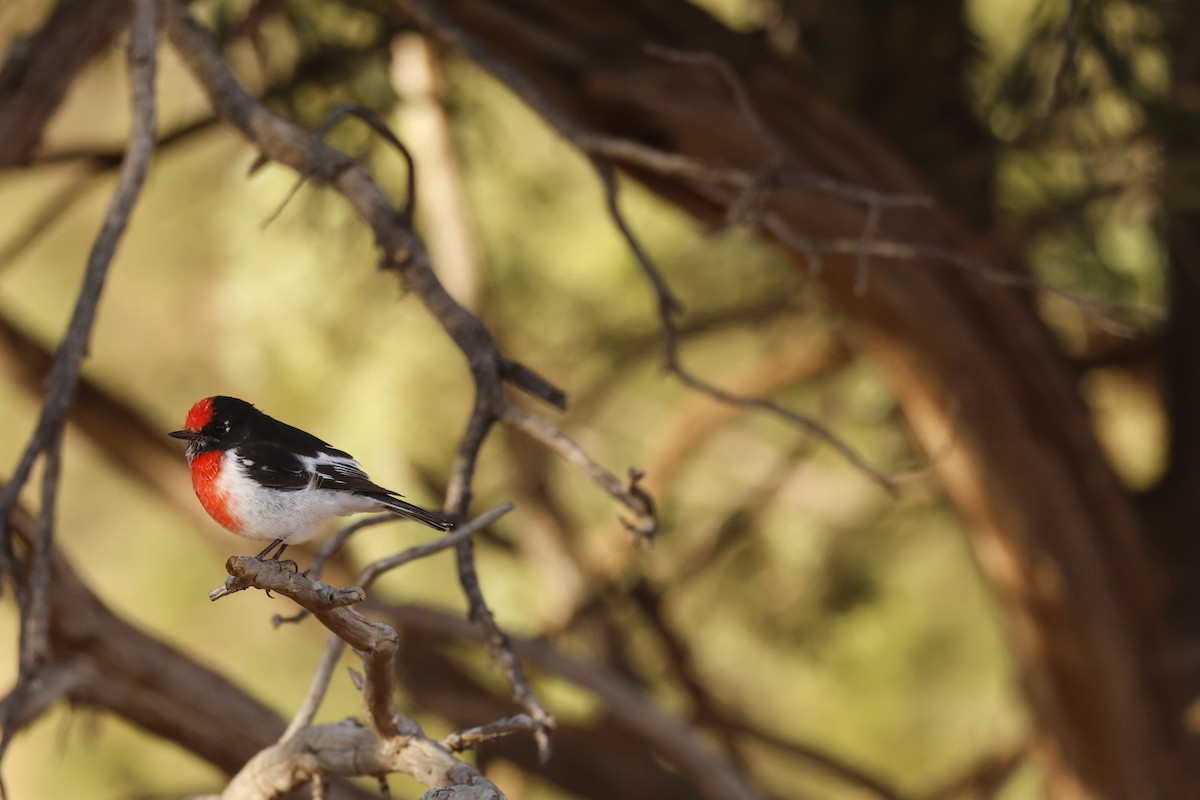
(430, 518)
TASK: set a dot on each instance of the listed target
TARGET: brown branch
(347, 748)
(644, 525)
(305, 752)
(667, 309)
(377, 125)
(37, 75)
(394, 742)
(711, 774)
(458, 498)
(473, 737)
(98, 660)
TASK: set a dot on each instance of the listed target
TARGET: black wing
(273, 466)
(336, 473)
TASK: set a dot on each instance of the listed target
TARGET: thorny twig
(46, 439)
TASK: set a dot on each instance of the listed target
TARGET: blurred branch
(540, 429)
(40, 69)
(668, 309)
(713, 777)
(416, 76)
(64, 374)
(986, 777)
(729, 724)
(124, 434)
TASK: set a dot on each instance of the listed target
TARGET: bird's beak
(185, 434)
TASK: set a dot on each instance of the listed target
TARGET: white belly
(293, 516)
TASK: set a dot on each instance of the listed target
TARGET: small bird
(264, 479)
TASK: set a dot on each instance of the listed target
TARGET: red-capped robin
(264, 479)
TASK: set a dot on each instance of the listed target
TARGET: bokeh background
(786, 589)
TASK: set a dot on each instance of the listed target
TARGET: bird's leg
(277, 543)
(282, 546)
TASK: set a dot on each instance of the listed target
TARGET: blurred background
(829, 639)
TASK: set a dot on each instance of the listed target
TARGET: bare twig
(347, 748)
(714, 777)
(777, 151)
(64, 376)
(376, 643)
(1107, 316)
(335, 543)
(460, 534)
(341, 537)
(645, 523)
(636, 154)
(458, 497)
(366, 115)
(473, 737)
(668, 307)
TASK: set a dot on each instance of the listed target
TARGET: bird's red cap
(199, 415)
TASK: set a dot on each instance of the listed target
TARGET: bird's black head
(216, 423)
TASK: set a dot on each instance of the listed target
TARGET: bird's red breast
(206, 473)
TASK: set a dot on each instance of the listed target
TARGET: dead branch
(394, 743)
(473, 737)
(542, 430)
(347, 748)
(711, 774)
